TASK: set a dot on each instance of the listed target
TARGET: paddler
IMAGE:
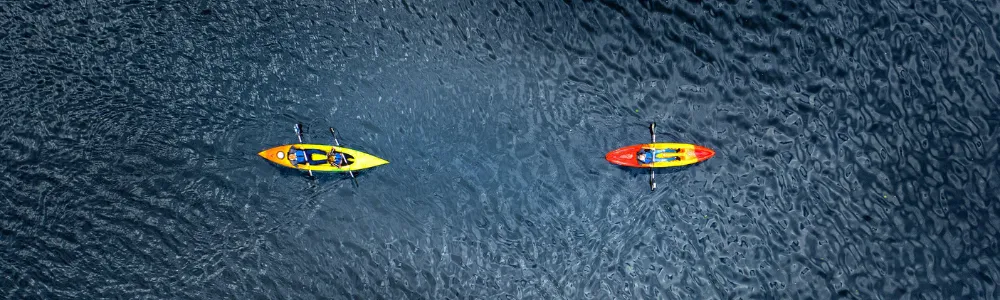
(645, 157)
(336, 158)
(296, 156)
(303, 156)
(648, 156)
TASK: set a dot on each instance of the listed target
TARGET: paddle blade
(334, 134)
(652, 131)
(298, 131)
(652, 180)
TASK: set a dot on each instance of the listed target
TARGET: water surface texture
(856, 142)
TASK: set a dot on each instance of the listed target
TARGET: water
(857, 150)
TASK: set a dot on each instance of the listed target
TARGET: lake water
(856, 145)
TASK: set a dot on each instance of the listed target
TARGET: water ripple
(857, 149)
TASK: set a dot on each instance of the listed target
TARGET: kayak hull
(357, 160)
(684, 154)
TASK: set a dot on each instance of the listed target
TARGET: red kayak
(662, 155)
(658, 155)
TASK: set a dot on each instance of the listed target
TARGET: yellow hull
(357, 160)
(685, 157)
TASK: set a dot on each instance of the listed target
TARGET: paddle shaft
(335, 141)
(298, 133)
(652, 175)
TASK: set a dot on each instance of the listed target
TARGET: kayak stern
(625, 156)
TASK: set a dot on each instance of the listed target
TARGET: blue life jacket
(300, 156)
(649, 156)
(304, 156)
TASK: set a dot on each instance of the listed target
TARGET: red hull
(625, 156)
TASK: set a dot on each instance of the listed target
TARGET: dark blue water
(857, 149)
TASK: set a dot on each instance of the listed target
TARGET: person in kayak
(304, 156)
(336, 158)
(648, 156)
(645, 156)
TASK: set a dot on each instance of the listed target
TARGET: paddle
(298, 133)
(652, 176)
(334, 133)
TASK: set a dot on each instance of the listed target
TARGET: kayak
(663, 155)
(658, 155)
(318, 160)
(321, 158)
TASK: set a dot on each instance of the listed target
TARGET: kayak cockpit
(313, 157)
(651, 155)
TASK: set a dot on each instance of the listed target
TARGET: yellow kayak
(321, 158)
(313, 157)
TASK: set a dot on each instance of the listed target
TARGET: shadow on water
(639, 172)
(317, 177)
